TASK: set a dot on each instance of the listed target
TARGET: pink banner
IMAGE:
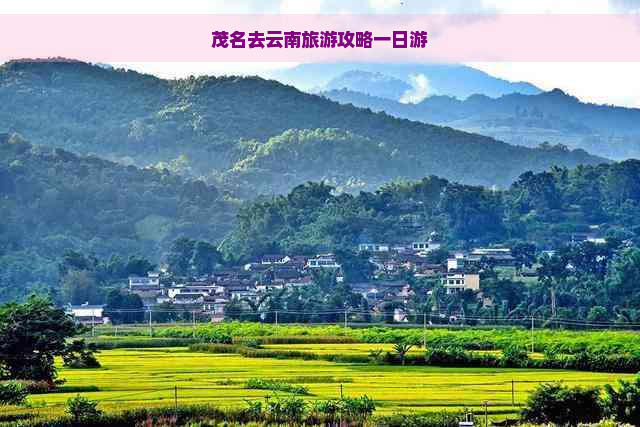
(451, 38)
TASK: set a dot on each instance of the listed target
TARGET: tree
(561, 405)
(31, 336)
(401, 349)
(79, 287)
(355, 267)
(81, 409)
(524, 254)
(124, 307)
(597, 314)
(624, 275)
(180, 256)
(623, 402)
(205, 257)
(13, 393)
(79, 354)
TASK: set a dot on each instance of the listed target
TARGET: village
(210, 295)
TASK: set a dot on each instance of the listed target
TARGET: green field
(147, 377)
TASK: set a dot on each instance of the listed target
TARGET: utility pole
(486, 413)
(513, 394)
(340, 390)
(175, 398)
(276, 320)
(424, 330)
(345, 319)
(193, 322)
(150, 328)
(532, 326)
(93, 323)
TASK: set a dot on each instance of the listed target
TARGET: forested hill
(52, 200)
(554, 116)
(221, 125)
(547, 208)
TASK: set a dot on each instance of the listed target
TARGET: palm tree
(401, 349)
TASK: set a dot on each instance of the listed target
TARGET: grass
(146, 377)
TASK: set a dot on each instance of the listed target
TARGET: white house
(152, 280)
(323, 261)
(373, 247)
(88, 314)
(456, 281)
(427, 246)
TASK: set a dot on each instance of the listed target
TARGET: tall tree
(31, 336)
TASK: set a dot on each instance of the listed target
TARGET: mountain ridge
(205, 126)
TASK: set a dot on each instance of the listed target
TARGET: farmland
(213, 364)
(147, 377)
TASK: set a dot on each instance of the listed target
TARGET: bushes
(81, 409)
(131, 342)
(297, 339)
(80, 355)
(623, 403)
(275, 385)
(458, 357)
(514, 356)
(444, 419)
(558, 404)
(562, 405)
(13, 393)
(215, 348)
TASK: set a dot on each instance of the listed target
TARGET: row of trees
(547, 208)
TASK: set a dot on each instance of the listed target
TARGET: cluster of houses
(248, 282)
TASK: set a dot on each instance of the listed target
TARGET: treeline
(52, 201)
(548, 208)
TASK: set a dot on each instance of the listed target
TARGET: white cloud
(421, 88)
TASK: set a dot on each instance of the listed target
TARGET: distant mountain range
(392, 80)
(529, 120)
(247, 135)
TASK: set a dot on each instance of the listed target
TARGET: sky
(607, 83)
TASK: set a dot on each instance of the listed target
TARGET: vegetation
(80, 224)
(31, 336)
(545, 340)
(202, 376)
(79, 354)
(82, 410)
(13, 393)
(562, 405)
(520, 119)
(275, 385)
(206, 125)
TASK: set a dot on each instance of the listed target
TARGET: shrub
(358, 408)
(80, 355)
(13, 393)
(559, 404)
(214, 348)
(623, 403)
(443, 419)
(446, 356)
(297, 339)
(132, 342)
(286, 410)
(81, 409)
(514, 356)
(275, 385)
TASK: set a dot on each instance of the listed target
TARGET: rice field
(154, 377)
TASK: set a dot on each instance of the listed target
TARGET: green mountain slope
(52, 200)
(529, 120)
(219, 123)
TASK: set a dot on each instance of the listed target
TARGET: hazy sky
(614, 83)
